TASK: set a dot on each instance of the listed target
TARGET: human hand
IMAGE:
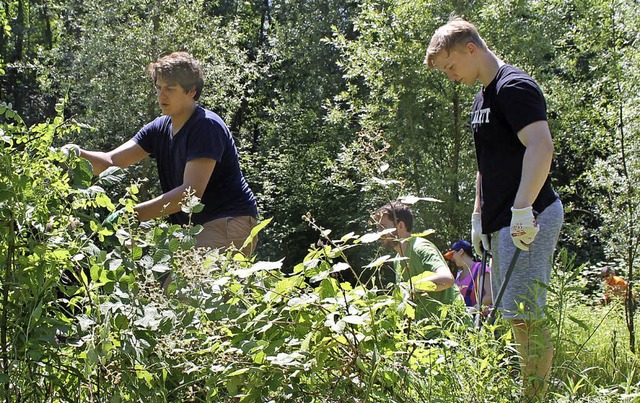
(479, 240)
(113, 217)
(70, 150)
(523, 227)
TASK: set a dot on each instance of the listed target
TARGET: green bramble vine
(85, 318)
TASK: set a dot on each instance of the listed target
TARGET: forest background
(335, 114)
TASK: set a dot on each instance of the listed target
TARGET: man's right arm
(477, 205)
(127, 154)
(478, 239)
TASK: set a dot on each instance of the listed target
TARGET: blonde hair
(454, 33)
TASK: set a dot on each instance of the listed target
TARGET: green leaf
(285, 285)
(379, 261)
(284, 359)
(188, 242)
(112, 176)
(136, 253)
(328, 288)
(121, 321)
(258, 267)
(173, 245)
(420, 282)
(423, 233)
(354, 319)
(197, 208)
(254, 232)
(584, 325)
(239, 372)
(414, 199)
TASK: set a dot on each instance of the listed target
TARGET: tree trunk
(240, 116)
(629, 304)
(48, 34)
(14, 75)
(19, 29)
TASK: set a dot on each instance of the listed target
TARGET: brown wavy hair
(180, 68)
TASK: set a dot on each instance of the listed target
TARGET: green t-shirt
(423, 256)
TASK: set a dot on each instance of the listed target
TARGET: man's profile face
(172, 98)
(383, 222)
(457, 64)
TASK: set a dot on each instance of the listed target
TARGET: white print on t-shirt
(479, 117)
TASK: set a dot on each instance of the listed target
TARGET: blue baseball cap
(456, 246)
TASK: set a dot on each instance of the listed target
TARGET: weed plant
(85, 319)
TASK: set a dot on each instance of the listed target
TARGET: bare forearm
(196, 176)
(535, 169)
(477, 204)
(99, 160)
(536, 162)
(442, 279)
(163, 205)
(123, 156)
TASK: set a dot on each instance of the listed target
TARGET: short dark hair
(397, 212)
(180, 68)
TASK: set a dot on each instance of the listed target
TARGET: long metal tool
(483, 267)
(507, 275)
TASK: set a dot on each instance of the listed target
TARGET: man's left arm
(197, 173)
(433, 261)
(536, 163)
(443, 279)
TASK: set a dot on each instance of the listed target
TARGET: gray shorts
(524, 296)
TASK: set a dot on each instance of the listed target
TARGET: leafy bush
(85, 318)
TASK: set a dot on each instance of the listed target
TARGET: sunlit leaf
(379, 261)
(414, 199)
(112, 176)
(421, 283)
(260, 266)
(354, 319)
(424, 233)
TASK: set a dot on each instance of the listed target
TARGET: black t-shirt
(509, 103)
(204, 135)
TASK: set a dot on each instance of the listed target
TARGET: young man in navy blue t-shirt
(515, 205)
(194, 150)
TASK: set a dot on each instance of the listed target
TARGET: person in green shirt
(420, 254)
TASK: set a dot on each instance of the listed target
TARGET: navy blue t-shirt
(508, 104)
(204, 135)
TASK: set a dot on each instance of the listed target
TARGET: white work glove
(523, 227)
(478, 239)
(70, 150)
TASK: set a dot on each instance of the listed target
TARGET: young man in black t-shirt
(193, 149)
(515, 205)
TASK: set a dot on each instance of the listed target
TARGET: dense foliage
(334, 114)
(85, 319)
(297, 80)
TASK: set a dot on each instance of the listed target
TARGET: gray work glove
(479, 240)
(70, 150)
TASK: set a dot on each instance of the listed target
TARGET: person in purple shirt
(195, 152)
(469, 275)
